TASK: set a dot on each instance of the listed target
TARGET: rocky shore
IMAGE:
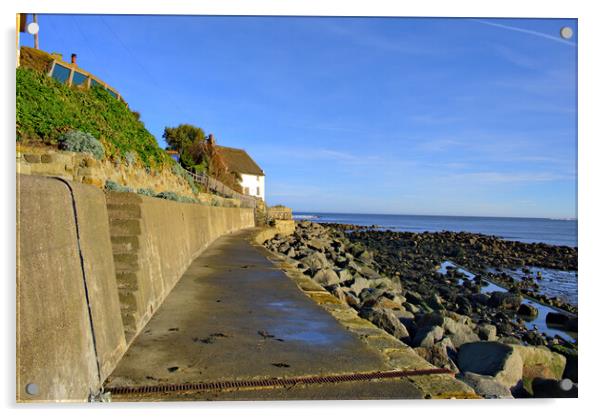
(392, 280)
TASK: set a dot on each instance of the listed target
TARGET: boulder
(486, 386)
(427, 336)
(435, 302)
(431, 319)
(326, 277)
(359, 284)
(438, 355)
(552, 388)
(386, 320)
(528, 310)
(384, 302)
(351, 299)
(315, 262)
(557, 319)
(459, 333)
(345, 275)
(368, 272)
(495, 359)
(505, 300)
(479, 299)
(539, 362)
(487, 332)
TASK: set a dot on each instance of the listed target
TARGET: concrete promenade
(235, 315)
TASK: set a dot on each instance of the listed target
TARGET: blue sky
(358, 115)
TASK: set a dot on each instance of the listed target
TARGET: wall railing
(219, 188)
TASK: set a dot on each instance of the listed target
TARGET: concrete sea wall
(91, 270)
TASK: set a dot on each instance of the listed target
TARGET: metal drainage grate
(272, 382)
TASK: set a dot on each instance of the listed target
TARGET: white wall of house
(253, 185)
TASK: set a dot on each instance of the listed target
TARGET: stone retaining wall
(74, 290)
(84, 168)
(280, 213)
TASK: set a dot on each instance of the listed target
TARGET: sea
(560, 232)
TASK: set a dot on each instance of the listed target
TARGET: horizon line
(560, 218)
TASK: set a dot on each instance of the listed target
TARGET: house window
(61, 73)
(258, 191)
(79, 78)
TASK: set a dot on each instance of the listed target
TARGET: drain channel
(272, 382)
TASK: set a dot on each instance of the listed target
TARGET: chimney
(211, 139)
(74, 59)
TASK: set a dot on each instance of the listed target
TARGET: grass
(46, 109)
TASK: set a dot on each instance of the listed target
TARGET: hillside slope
(47, 108)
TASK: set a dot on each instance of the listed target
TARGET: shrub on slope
(46, 109)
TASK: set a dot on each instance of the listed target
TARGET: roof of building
(239, 161)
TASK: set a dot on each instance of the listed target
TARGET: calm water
(550, 231)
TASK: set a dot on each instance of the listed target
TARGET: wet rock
(505, 300)
(486, 386)
(480, 299)
(557, 319)
(528, 310)
(495, 359)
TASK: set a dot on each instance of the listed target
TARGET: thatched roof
(239, 161)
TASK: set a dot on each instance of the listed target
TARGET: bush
(147, 192)
(113, 186)
(76, 141)
(170, 195)
(130, 158)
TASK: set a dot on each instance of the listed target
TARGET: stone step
(114, 197)
(130, 322)
(124, 211)
(128, 301)
(125, 244)
(125, 265)
(127, 280)
(125, 227)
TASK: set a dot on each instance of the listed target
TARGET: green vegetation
(147, 192)
(76, 141)
(113, 186)
(200, 154)
(47, 109)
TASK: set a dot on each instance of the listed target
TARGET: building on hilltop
(252, 176)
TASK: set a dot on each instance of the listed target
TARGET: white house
(252, 176)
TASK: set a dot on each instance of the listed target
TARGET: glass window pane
(79, 78)
(94, 83)
(61, 73)
(112, 93)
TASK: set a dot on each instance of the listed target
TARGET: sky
(358, 115)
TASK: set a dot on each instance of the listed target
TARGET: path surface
(234, 315)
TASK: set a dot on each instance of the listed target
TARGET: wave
(305, 216)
